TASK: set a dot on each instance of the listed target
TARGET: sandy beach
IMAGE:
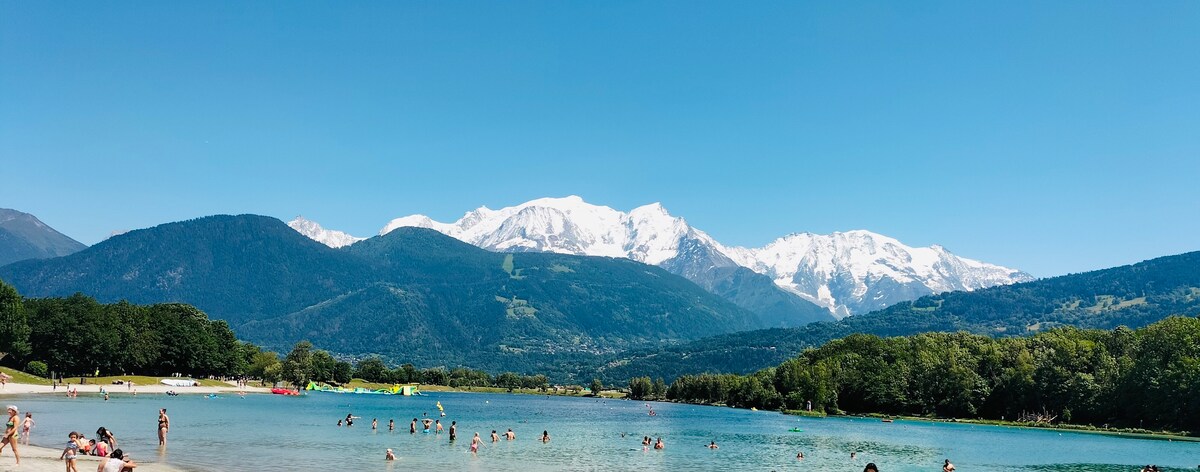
(23, 389)
(41, 459)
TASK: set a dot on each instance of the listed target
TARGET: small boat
(886, 420)
(284, 391)
(795, 430)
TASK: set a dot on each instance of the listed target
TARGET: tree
(297, 366)
(14, 326)
(596, 387)
(343, 372)
(371, 369)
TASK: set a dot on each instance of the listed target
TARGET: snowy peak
(567, 225)
(858, 271)
(314, 231)
(847, 272)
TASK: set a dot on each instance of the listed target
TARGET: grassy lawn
(21, 377)
(107, 381)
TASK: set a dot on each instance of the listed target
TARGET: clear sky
(1050, 136)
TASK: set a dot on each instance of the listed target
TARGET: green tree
(343, 372)
(298, 366)
(371, 369)
(596, 387)
(14, 326)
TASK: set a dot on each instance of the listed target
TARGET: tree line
(1144, 378)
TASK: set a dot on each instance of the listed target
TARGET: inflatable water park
(405, 390)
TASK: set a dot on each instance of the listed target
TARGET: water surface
(272, 432)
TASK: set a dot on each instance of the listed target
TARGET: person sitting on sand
(713, 445)
(389, 456)
(117, 462)
(659, 444)
(100, 449)
(70, 452)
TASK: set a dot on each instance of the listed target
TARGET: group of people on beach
(104, 445)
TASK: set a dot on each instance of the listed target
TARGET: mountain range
(23, 236)
(1133, 295)
(412, 295)
(845, 273)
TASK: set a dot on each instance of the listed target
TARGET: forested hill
(413, 295)
(1133, 295)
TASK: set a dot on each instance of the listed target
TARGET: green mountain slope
(413, 295)
(1133, 295)
(23, 236)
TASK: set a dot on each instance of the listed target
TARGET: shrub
(37, 368)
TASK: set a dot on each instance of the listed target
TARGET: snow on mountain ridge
(314, 231)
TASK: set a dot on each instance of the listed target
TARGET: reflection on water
(269, 432)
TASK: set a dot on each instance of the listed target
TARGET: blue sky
(1050, 136)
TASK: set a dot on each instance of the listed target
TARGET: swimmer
(870, 467)
(389, 456)
(374, 423)
(427, 423)
(339, 422)
(475, 443)
(659, 444)
(713, 445)
(947, 467)
(391, 425)
(510, 435)
(852, 453)
(412, 427)
(800, 456)
(439, 426)
(495, 437)
(545, 437)
(453, 430)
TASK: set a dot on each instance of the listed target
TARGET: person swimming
(870, 467)
(713, 445)
(475, 443)
(510, 435)
(545, 436)
(947, 467)
(389, 456)
(659, 444)
(800, 456)
(495, 437)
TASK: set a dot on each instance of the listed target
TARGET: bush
(37, 368)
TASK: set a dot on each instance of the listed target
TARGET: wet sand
(41, 459)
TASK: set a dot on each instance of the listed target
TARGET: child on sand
(70, 452)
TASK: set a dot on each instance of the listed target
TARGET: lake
(272, 432)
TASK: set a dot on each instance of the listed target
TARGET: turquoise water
(271, 432)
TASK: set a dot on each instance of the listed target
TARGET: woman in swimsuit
(10, 433)
(545, 436)
(26, 426)
(164, 424)
(475, 443)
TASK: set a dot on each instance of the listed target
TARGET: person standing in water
(510, 435)
(412, 427)
(438, 426)
(164, 424)
(495, 437)
(453, 430)
(475, 443)
(545, 436)
(26, 425)
(10, 433)
(391, 425)
(947, 467)
(374, 424)
(389, 456)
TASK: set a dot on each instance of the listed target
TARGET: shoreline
(94, 389)
(44, 459)
(1117, 432)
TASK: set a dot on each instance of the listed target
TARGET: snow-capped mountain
(844, 273)
(859, 271)
(324, 236)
